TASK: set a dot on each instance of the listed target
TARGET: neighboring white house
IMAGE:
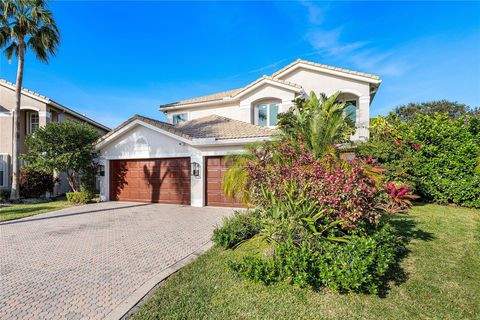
(182, 161)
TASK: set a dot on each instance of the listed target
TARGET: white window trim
(4, 167)
(267, 103)
(29, 121)
(179, 113)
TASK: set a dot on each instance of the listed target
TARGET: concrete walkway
(96, 261)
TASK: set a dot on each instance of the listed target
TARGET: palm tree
(320, 123)
(25, 24)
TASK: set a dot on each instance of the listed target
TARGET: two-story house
(36, 110)
(182, 161)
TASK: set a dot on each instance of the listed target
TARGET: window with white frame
(3, 170)
(179, 118)
(33, 122)
(266, 114)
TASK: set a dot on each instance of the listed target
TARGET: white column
(363, 119)
(104, 181)
(197, 191)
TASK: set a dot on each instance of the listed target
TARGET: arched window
(266, 113)
(351, 101)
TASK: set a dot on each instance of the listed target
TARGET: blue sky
(121, 58)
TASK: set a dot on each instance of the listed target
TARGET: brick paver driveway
(89, 262)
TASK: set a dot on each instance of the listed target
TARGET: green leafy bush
(360, 265)
(436, 155)
(35, 183)
(80, 197)
(4, 195)
(88, 179)
(240, 227)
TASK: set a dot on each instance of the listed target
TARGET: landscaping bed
(438, 278)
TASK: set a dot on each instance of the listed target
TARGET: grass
(16, 211)
(439, 279)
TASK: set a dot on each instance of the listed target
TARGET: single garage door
(214, 169)
(151, 180)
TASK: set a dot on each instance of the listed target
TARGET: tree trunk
(15, 192)
(72, 180)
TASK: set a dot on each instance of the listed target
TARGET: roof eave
(196, 104)
(340, 73)
(78, 115)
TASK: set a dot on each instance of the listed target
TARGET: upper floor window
(179, 118)
(266, 114)
(33, 122)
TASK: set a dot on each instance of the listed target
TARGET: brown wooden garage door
(151, 180)
(215, 167)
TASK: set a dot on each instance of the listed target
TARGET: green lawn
(15, 211)
(439, 279)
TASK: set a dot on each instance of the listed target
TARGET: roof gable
(212, 128)
(52, 103)
(274, 79)
(367, 77)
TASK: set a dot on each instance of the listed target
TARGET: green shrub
(34, 183)
(4, 194)
(80, 197)
(240, 227)
(436, 155)
(360, 265)
(88, 179)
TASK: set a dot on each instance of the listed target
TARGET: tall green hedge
(437, 155)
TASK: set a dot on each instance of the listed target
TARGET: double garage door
(166, 181)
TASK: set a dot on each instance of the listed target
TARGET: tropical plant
(236, 179)
(318, 123)
(25, 24)
(62, 147)
(400, 198)
(313, 123)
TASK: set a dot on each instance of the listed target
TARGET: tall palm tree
(25, 24)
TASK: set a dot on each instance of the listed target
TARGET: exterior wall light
(196, 169)
(101, 170)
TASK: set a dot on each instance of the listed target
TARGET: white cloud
(316, 15)
(363, 55)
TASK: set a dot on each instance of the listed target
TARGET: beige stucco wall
(241, 109)
(229, 110)
(28, 104)
(319, 82)
(309, 80)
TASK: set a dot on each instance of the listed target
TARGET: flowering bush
(343, 192)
